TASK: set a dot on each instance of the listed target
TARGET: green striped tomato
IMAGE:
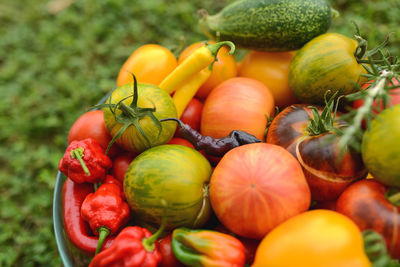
(380, 148)
(149, 96)
(170, 181)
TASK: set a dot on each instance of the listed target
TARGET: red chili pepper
(105, 211)
(85, 161)
(76, 229)
(134, 246)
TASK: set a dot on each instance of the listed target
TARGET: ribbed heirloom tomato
(256, 187)
(222, 69)
(237, 104)
(150, 63)
(272, 69)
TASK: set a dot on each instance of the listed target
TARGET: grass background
(57, 60)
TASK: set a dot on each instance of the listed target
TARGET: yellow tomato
(317, 238)
(150, 63)
(223, 69)
(272, 69)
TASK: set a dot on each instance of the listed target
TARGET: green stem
(394, 199)
(335, 13)
(103, 233)
(214, 48)
(361, 48)
(78, 154)
(364, 109)
(148, 243)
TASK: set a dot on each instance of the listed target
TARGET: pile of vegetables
(286, 158)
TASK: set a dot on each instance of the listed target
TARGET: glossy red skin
(256, 187)
(168, 257)
(91, 125)
(180, 141)
(191, 115)
(394, 96)
(317, 155)
(365, 203)
(76, 229)
(120, 165)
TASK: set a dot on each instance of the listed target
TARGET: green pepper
(207, 248)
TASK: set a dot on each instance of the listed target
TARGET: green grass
(53, 66)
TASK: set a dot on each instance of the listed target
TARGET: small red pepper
(105, 211)
(85, 161)
(111, 180)
(76, 229)
(134, 246)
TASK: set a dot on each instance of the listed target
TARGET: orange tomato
(223, 69)
(272, 69)
(150, 63)
(237, 104)
(317, 238)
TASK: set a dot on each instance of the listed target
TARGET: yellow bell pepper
(200, 59)
(186, 92)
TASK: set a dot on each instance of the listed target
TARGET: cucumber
(268, 25)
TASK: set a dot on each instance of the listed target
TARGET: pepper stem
(214, 48)
(103, 233)
(148, 243)
(78, 154)
(394, 198)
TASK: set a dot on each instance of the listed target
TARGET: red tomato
(237, 104)
(272, 69)
(365, 203)
(192, 115)
(168, 257)
(120, 165)
(150, 63)
(180, 141)
(318, 154)
(91, 125)
(394, 95)
(223, 69)
(256, 187)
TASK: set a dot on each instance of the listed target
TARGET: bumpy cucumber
(269, 25)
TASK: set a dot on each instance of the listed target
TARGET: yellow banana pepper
(186, 92)
(196, 62)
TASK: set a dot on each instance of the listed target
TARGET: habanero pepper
(111, 180)
(200, 59)
(76, 229)
(134, 246)
(207, 248)
(105, 211)
(213, 146)
(85, 161)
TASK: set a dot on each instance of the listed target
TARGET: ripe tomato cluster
(294, 197)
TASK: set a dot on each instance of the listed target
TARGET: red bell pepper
(134, 246)
(105, 211)
(85, 161)
(207, 248)
(76, 229)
